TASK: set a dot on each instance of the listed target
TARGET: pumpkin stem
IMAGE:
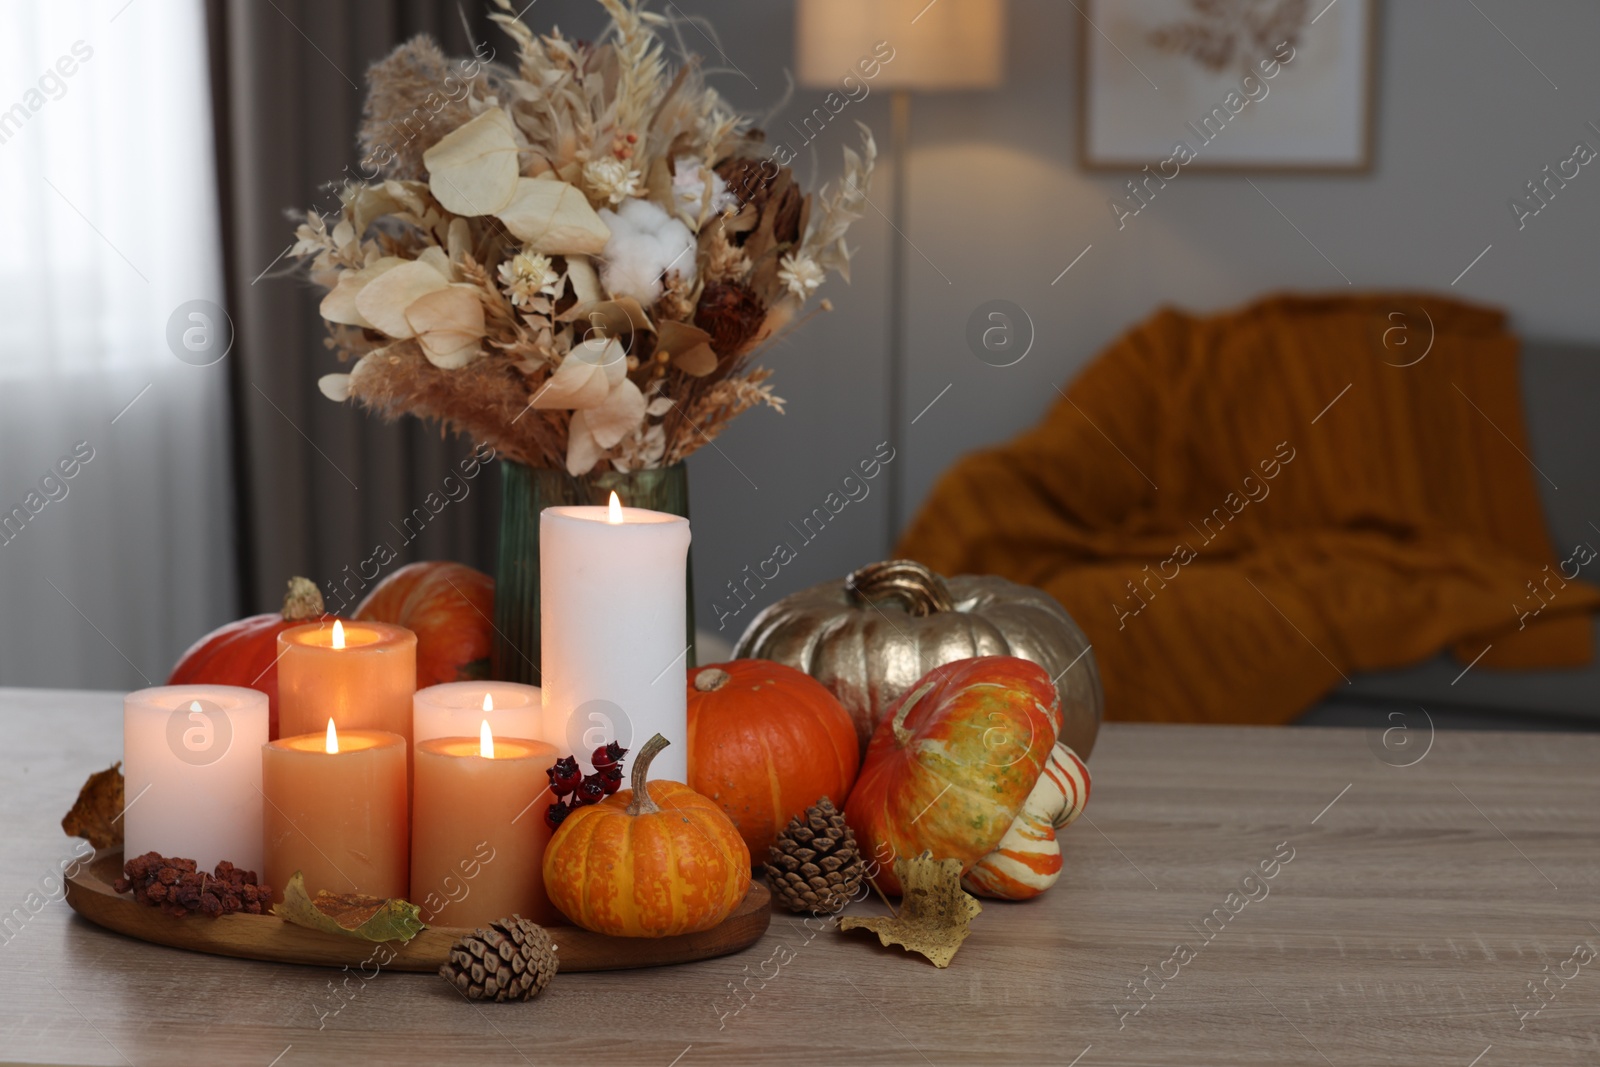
(303, 601)
(902, 736)
(917, 588)
(641, 803)
(711, 679)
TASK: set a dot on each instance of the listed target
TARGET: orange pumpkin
(766, 742)
(651, 861)
(449, 607)
(953, 762)
(245, 653)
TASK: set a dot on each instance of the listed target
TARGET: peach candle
(454, 709)
(360, 674)
(478, 839)
(336, 811)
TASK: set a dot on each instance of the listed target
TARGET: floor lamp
(942, 46)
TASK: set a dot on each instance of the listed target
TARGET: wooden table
(1419, 904)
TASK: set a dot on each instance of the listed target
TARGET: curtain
(115, 514)
(321, 486)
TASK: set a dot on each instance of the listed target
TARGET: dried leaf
(335, 387)
(449, 323)
(95, 815)
(554, 218)
(385, 299)
(473, 169)
(340, 303)
(698, 362)
(350, 914)
(619, 416)
(934, 911)
(690, 347)
(584, 378)
(585, 282)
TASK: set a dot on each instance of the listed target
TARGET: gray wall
(999, 206)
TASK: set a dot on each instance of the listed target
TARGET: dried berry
(565, 776)
(177, 888)
(556, 814)
(611, 779)
(609, 755)
(592, 791)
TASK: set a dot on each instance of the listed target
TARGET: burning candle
(336, 811)
(360, 675)
(192, 769)
(612, 619)
(478, 838)
(455, 709)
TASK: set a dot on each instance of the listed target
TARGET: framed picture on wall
(1226, 84)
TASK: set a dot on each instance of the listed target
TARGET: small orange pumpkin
(648, 862)
(766, 742)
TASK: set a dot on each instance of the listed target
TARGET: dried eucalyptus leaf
(473, 169)
(350, 914)
(934, 910)
(554, 218)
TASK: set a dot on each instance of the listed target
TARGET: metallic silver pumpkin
(872, 636)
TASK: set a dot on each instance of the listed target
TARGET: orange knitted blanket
(1243, 510)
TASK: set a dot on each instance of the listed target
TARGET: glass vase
(524, 493)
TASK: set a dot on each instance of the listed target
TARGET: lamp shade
(946, 44)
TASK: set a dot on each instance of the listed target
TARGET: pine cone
(815, 865)
(511, 959)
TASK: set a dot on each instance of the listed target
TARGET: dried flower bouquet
(576, 260)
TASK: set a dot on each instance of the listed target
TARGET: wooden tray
(266, 937)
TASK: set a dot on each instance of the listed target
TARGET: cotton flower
(801, 274)
(612, 180)
(689, 181)
(528, 275)
(645, 244)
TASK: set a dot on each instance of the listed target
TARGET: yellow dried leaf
(350, 914)
(934, 911)
(554, 218)
(94, 816)
(473, 169)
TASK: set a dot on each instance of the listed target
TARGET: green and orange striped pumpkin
(651, 861)
(1028, 859)
(953, 762)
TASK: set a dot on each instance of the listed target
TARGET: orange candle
(360, 674)
(336, 811)
(478, 836)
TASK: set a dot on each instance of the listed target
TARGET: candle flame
(488, 702)
(338, 636)
(485, 741)
(616, 510)
(331, 746)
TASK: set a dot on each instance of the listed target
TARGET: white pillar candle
(613, 649)
(458, 709)
(192, 767)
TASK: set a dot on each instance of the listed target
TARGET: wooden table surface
(1420, 908)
